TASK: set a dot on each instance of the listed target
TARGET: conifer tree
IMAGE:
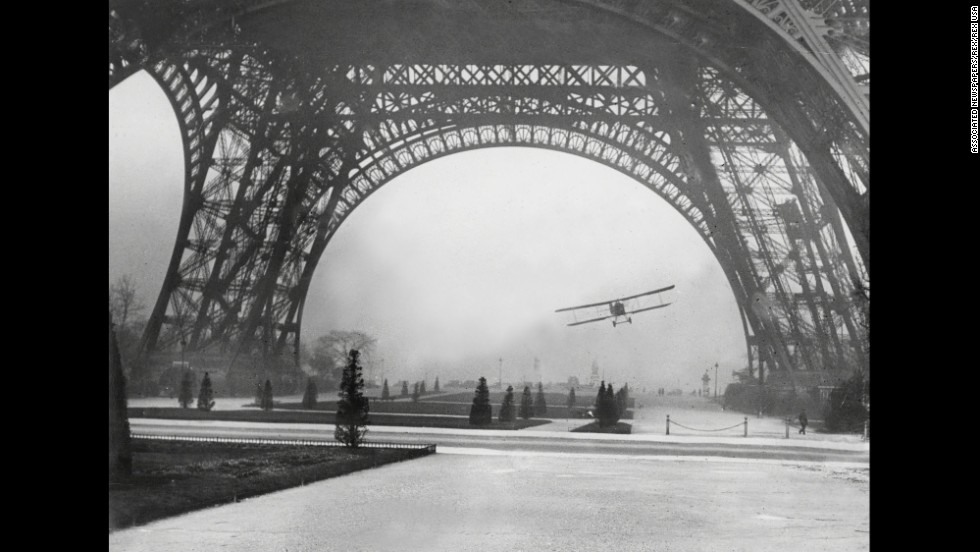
(259, 393)
(527, 404)
(622, 398)
(385, 394)
(415, 392)
(205, 398)
(405, 388)
(352, 408)
(422, 387)
(600, 405)
(435, 388)
(540, 406)
(481, 413)
(612, 408)
(186, 394)
(267, 402)
(571, 400)
(310, 396)
(507, 408)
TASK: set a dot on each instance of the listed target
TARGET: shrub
(845, 410)
(481, 413)
(186, 394)
(507, 408)
(352, 409)
(310, 396)
(540, 406)
(205, 399)
(527, 404)
(266, 403)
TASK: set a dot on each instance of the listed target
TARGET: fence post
(746, 432)
(787, 428)
(668, 424)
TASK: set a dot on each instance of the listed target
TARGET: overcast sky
(462, 261)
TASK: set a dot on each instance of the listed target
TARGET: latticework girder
(279, 151)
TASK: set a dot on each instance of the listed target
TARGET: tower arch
(281, 147)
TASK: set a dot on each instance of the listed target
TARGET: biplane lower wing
(600, 319)
(649, 308)
(602, 304)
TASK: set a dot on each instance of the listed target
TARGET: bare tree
(126, 307)
(330, 351)
(123, 299)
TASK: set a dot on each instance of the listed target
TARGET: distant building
(594, 378)
(573, 381)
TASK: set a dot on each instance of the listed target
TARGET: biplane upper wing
(661, 290)
(600, 319)
(649, 308)
(602, 303)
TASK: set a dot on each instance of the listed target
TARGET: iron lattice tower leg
(685, 100)
(277, 159)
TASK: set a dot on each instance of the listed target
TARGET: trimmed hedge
(620, 427)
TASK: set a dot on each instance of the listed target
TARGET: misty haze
(421, 275)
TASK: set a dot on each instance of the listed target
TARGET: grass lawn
(325, 417)
(171, 478)
(497, 397)
(456, 405)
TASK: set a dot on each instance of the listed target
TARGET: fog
(462, 261)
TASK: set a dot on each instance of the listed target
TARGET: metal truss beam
(279, 153)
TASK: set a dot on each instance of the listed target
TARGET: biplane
(618, 308)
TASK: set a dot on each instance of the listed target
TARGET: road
(528, 441)
(536, 501)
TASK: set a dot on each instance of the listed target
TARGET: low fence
(744, 424)
(431, 448)
(865, 428)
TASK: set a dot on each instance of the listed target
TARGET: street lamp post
(716, 380)
(500, 376)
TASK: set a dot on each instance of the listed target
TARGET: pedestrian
(802, 419)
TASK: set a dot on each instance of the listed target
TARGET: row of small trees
(205, 396)
(418, 389)
(263, 394)
(609, 405)
(528, 407)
